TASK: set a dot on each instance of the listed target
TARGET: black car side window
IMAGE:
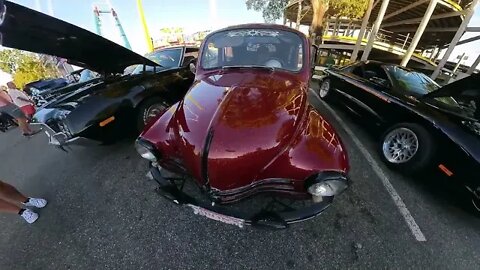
(376, 74)
(358, 71)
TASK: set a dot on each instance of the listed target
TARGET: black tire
(144, 108)
(325, 94)
(421, 159)
(475, 200)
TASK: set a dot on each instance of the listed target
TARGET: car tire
(144, 112)
(476, 200)
(325, 91)
(407, 147)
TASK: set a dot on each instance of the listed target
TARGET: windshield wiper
(272, 69)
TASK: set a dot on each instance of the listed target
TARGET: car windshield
(254, 47)
(167, 58)
(416, 83)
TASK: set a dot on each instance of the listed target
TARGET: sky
(192, 15)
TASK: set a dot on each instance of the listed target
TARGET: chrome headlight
(146, 150)
(326, 184)
(328, 188)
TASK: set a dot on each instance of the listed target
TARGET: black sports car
(424, 124)
(103, 107)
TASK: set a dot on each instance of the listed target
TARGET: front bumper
(63, 139)
(262, 218)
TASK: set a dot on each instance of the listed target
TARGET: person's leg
(10, 193)
(7, 207)
(24, 126)
(27, 214)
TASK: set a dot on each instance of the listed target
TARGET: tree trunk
(320, 7)
(299, 15)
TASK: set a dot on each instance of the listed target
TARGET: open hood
(29, 30)
(469, 86)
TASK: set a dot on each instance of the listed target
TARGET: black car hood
(466, 86)
(29, 30)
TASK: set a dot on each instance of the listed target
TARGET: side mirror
(192, 67)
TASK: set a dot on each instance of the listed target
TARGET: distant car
(102, 107)
(245, 128)
(39, 86)
(424, 124)
(78, 79)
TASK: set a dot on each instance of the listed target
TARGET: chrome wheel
(324, 88)
(400, 145)
(153, 111)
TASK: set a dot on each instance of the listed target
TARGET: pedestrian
(14, 202)
(20, 99)
(8, 107)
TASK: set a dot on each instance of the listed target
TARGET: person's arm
(5, 97)
(24, 99)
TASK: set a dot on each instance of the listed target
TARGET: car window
(410, 81)
(190, 55)
(358, 71)
(166, 58)
(254, 47)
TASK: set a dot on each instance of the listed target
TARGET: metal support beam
(353, 58)
(376, 27)
(399, 11)
(435, 29)
(474, 66)
(455, 39)
(468, 40)
(435, 17)
(419, 33)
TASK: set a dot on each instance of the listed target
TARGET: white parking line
(381, 174)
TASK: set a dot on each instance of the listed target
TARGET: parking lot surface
(104, 214)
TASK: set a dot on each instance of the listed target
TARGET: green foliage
(25, 67)
(348, 8)
(272, 10)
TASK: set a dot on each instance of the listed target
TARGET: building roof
(404, 16)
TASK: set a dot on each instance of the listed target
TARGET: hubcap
(324, 88)
(152, 112)
(400, 145)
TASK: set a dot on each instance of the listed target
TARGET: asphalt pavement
(104, 214)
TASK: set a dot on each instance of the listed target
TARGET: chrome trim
(269, 181)
(3, 14)
(62, 138)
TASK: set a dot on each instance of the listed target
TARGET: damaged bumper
(262, 218)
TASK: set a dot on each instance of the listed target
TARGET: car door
(368, 88)
(348, 84)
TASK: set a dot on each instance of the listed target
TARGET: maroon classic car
(245, 128)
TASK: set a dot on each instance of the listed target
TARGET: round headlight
(328, 188)
(145, 152)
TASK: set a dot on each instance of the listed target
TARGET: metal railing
(351, 29)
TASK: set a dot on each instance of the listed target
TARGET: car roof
(258, 26)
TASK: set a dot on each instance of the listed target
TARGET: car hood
(240, 120)
(466, 86)
(29, 30)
